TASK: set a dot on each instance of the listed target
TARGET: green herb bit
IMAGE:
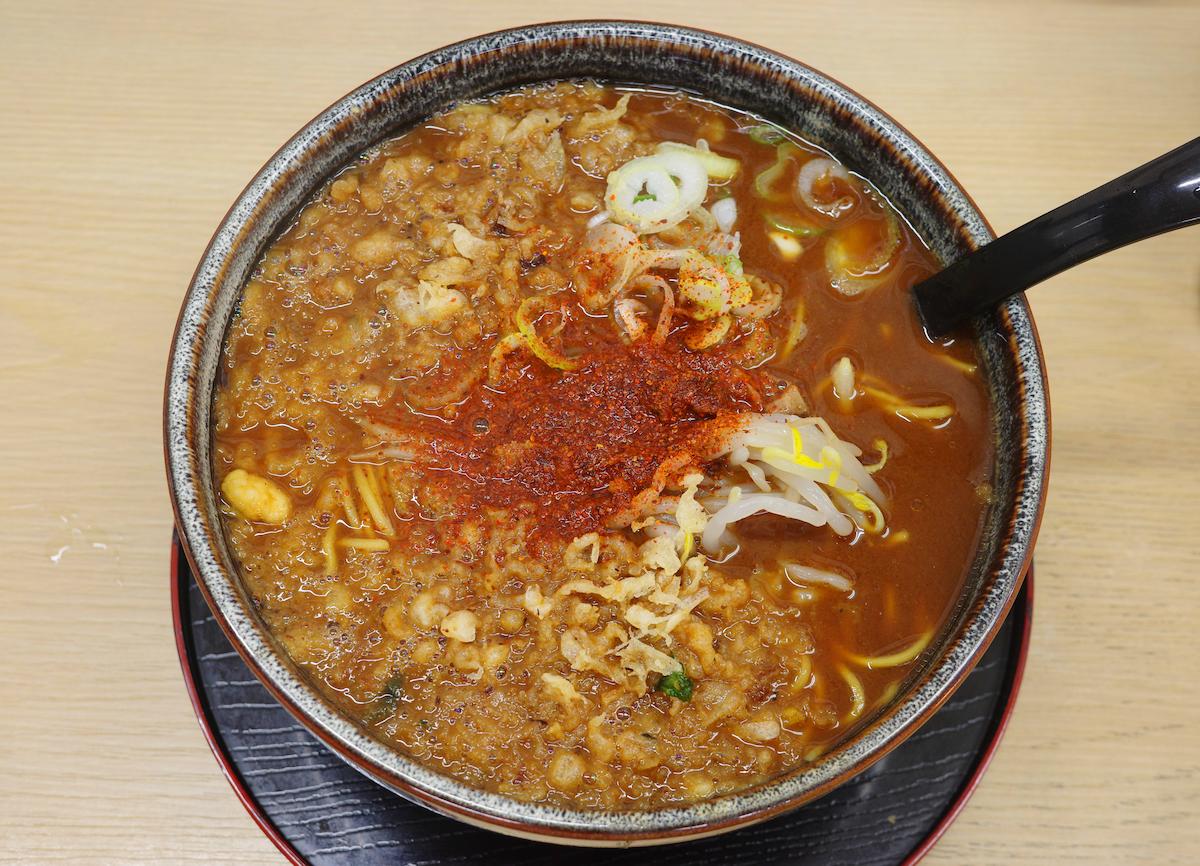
(644, 196)
(384, 709)
(677, 685)
(385, 701)
(769, 176)
(394, 687)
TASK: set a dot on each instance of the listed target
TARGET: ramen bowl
(730, 72)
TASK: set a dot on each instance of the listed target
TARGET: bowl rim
(448, 796)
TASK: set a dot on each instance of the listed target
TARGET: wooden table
(126, 132)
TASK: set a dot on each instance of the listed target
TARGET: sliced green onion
(394, 687)
(719, 168)
(769, 176)
(766, 133)
(706, 334)
(386, 700)
(857, 256)
(794, 227)
(500, 352)
(676, 178)
(527, 313)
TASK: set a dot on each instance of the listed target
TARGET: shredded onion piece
(722, 244)
(788, 247)
(772, 429)
(761, 731)
(598, 219)
(404, 455)
(666, 310)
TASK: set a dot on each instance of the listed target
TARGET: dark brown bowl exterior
(734, 73)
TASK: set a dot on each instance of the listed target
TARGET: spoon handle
(1162, 195)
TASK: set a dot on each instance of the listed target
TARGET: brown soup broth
(410, 496)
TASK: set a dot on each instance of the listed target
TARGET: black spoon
(1162, 195)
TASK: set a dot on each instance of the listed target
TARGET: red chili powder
(577, 446)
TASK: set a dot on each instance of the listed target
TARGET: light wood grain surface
(127, 130)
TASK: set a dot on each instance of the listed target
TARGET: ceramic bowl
(734, 73)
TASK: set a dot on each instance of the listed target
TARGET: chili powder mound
(577, 446)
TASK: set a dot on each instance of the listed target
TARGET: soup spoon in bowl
(1162, 195)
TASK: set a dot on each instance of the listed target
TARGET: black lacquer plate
(320, 811)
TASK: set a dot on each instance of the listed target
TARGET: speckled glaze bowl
(737, 74)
